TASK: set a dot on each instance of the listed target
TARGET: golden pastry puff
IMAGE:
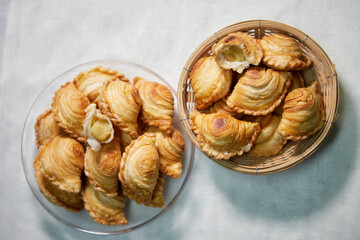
(259, 91)
(223, 136)
(269, 142)
(296, 82)
(45, 127)
(157, 104)
(303, 113)
(120, 101)
(102, 167)
(237, 51)
(68, 107)
(90, 82)
(61, 160)
(209, 81)
(283, 53)
(171, 148)
(139, 169)
(104, 209)
(69, 200)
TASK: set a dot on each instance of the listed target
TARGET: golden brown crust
(104, 209)
(223, 136)
(157, 199)
(68, 107)
(90, 82)
(303, 113)
(58, 197)
(61, 160)
(157, 104)
(269, 142)
(221, 107)
(259, 91)
(209, 81)
(237, 51)
(283, 53)
(120, 101)
(102, 167)
(139, 169)
(45, 127)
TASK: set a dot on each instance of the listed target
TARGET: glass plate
(137, 215)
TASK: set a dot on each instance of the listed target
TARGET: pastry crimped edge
(39, 175)
(94, 183)
(58, 120)
(124, 156)
(102, 69)
(209, 150)
(52, 179)
(37, 126)
(299, 138)
(105, 108)
(109, 221)
(270, 109)
(206, 102)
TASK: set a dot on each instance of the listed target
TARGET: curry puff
(45, 127)
(209, 81)
(221, 107)
(61, 160)
(303, 113)
(223, 136)
(269, 142)
(283, 53)
(157, 199)
(237, 51)
(171, 148)
(68, 107)
(259, 91)
(157, 104)
(90, 82)
(139, 169)
(104, 209)
(102, 167)
(120, 101)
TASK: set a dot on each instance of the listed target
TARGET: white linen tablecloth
(318, 199)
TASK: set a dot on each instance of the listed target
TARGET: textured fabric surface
(318, 199)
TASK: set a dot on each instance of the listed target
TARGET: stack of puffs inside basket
(250, 96)
(103, 139)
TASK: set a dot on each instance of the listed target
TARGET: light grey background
(318, 199)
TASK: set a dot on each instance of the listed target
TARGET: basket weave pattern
(322, 70)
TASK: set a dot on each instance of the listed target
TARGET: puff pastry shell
(104, 209)
(283, 53)
(223, 136)
(171, 148)
(68, 107)
(221, 107)
(157, 104)
(120, 101)
(157, 199)
(269, 142)
(45, 127)
(303, 113)
(209, 81)
(237, 51)
(102, 167)
(139, 169)
(61, 159)
(259, 91)
(70, 201)
(90, 82)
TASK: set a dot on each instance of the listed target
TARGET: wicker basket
(323, 70)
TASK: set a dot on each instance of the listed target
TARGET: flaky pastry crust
(45, 127)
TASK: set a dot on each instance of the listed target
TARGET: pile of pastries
(103, 139)
(250, 96)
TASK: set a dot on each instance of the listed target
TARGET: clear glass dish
(137, 215)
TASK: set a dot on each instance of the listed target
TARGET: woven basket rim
(261, 25)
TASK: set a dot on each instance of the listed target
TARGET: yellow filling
(233, 53)
(100, 129)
